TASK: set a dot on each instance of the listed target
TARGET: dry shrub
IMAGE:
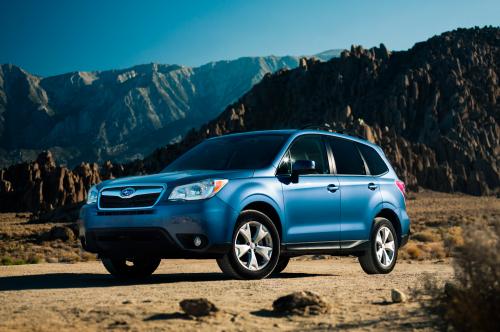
(425, 236)
(472, 301)
(436, 250)
(453, 237)
(412, 251)
(421, 251)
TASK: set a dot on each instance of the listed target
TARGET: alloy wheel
(253, 246)
(385, 246)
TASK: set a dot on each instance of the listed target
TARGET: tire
(249, 257)
(281, 266)
(226, 268)
(138, 268)
(377, 259)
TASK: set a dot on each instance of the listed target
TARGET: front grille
(143, 197)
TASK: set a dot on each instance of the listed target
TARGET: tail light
(401, 186)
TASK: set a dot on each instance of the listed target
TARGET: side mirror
(301, 167)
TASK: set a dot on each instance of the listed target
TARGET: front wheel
(136, 268)
(381, 256)
(255, 247)
(281, 266)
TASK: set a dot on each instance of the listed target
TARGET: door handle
(372, 186)
(332, 188)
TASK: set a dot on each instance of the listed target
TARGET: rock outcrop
(434, 109)
(42, 185)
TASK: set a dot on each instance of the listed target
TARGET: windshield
(231, 152)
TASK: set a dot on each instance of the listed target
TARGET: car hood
(176, 178)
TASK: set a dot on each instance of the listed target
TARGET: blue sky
(50, 37)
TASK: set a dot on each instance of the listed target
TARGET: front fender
(243, 193)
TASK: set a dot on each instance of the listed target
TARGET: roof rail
(327, 127)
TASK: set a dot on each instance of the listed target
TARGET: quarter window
(375, 163)
(347, 158)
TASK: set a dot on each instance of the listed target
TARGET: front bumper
(167, 230)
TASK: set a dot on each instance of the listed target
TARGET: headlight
(92, 196)
(198, 190)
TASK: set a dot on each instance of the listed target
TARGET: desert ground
(67, 289)
(82, 296)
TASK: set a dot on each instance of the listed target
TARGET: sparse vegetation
(22, 242)
(471, 302)
(426, 236)
(437, 220)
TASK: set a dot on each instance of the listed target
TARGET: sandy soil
(82, 296)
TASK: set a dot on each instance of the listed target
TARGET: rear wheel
(381, 256)
(136, 268)
(255, 247)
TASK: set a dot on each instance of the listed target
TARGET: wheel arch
(269, 210)
(392, 216)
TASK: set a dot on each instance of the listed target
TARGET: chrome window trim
(143, 192)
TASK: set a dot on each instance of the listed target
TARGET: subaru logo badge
(127, 192)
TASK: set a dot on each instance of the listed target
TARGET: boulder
(398, 296)
(301, 303)
(198, 307)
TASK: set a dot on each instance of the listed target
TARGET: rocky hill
(119, 114)
(434, 109)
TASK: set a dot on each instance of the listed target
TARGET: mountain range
(119, 115)
(434, 109)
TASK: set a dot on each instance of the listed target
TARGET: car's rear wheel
(382, 253)
(255, 247)
(136, 268)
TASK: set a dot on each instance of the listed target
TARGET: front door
(312, 202)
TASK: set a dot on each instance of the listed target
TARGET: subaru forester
(252, 201)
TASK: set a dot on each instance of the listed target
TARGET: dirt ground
(82, 296)
(72, 294)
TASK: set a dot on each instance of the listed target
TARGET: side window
(310, 148)
(347, 157)
(375, 163)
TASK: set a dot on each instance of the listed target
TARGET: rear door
(359, 191)
(312, 204)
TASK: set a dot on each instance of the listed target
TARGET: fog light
(197, 241)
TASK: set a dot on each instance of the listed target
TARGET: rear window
(347, 158)
(375, 163)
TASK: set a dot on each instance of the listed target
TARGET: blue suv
(252, 201)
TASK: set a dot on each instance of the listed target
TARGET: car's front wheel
(281, 266)
(136, 268)
(382, 253)
(255, 247)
